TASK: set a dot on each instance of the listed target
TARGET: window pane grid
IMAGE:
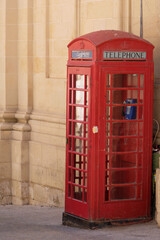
(78, 137)
(128, 130)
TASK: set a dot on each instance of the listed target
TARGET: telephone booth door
(125, 170)
(78, 103)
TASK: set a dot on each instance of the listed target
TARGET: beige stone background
(33, 53)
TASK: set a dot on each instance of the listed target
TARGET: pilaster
(8, 92)
(20, 163)
(21, 129)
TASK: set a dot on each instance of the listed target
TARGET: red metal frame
(119, 187)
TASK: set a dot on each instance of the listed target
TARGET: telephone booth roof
(95, 43)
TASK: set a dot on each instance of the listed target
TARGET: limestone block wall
(5, 172)
(33, 54)
(55, 24)
(8, 93)
(47, 163)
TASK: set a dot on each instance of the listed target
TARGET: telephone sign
(119, 55)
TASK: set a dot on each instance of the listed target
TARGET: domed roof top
(99, 37)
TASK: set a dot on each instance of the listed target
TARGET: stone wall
(33, 53)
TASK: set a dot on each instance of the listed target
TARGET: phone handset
(129, 112)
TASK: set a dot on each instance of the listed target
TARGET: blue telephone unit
(130, 111)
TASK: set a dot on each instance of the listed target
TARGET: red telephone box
(109, 128)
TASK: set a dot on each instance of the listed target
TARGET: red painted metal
(108, 157)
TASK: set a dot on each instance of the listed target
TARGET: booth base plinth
(74, 221)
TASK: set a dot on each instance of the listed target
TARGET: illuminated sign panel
(124, 55)
(81, 54)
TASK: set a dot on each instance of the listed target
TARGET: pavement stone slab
(37, 223)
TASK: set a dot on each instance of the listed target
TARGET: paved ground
(37, 223)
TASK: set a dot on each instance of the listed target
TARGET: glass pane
(140, 160)
(85, 179)
(86, 115)
(77, 193)
(124, 112)
(141, 80)
(106, 193)
(86, 147)
(70, 159)
(130, 112)
(122, 177)
(71, 97)
(79, 97)
(125, 80)
(107, 145)
(123, 192)
(70, 128)
(124, 160)
(79, 114)
(124, 145)
(139, 191)
(139, 177)
(78, 129)
(108, 97)
(141, 129)
(86, 99)
(71, 112)
(107, 162)
(71, 81)
(70, 143)
(78, 145)
(124, 129)
(108, 80)
(85, 163)
(86, 130)
(78, 161)
(141, 97)
(108, 113)
(141, 145)
(78, 177)
(118, 113)
(69, 190)
(86, 81)
(85, 195)
(140, 112)
(70, 175)
(107, 129)
(121, 96)
(80, 81)
(107, 178)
